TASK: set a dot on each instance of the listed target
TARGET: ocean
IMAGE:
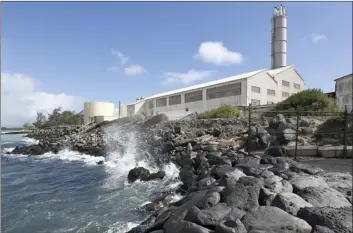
(69, 192)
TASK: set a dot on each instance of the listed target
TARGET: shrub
(225, 111)
(313, 100)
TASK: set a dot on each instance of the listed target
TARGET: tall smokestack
(279, 38)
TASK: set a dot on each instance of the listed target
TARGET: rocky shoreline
(224, 188)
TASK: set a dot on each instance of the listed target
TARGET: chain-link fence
(300, 133)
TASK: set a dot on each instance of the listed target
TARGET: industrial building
(258, 87)
(344, 92)
(102, 111)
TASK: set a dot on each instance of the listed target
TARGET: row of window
(255, 102)
(211, 93)
(270, 91)
(287, 84)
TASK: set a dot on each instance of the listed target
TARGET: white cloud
(20, 100)
(316, 38)
(134, 70)
(186, 78)
(216, 53)
(123, 59)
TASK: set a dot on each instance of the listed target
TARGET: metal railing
(284, 131)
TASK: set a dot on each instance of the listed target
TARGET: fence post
(345, 132)
(249, 129)
(296, 136)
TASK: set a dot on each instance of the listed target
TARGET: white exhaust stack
(279, 38)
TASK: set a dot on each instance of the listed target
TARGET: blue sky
(111, 51)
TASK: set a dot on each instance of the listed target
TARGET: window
(285, 83)
(271, 92)
(296, 86)
(176, 99)
(193, 96)
(150, 104)
(223, 91)
(255, 102)
(270, 102)
(285, 94)
(161, 102)
(255, 89)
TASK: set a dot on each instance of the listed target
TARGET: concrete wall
(123, 110)
(344, 92)
(92, 109)
(263, 81)
(204, 105)
(291, 76)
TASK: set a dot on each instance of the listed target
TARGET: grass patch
(225, 111)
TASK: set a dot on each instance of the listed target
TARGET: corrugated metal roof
(215, 82)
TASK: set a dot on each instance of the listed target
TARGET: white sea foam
(29, 141)
(120, 227)
(6, 150)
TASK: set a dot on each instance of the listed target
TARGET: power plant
(261, 87)
(279, 38)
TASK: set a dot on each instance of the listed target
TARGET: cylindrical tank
(279, 39)
(92, 109)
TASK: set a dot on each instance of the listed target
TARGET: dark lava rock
(140, 173)
(244, 194)
(231, 227)
(209, 217)
(100, 162)
(321, 229)
(157, 175)
(338, 220)
(184, 227)
(273, 219)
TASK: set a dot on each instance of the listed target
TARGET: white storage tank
(92, 109)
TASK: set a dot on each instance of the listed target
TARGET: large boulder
(273, 219)
(244, 194)
(138, 173)
(277, 185)
(209, 217)
(289, 202)
(324, 197)
(231, 227)
(342, 182)
(302, 182)
(338, 220)
(154, 120)
(184, 227)
(210, 199)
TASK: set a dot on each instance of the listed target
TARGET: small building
(344, 89)
(260, 87)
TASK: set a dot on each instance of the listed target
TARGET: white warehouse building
(258, 88)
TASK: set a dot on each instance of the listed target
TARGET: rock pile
(227, 190)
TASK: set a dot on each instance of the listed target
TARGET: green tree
(28, 126)
(40, 120)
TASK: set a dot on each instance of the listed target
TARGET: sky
(64, 53)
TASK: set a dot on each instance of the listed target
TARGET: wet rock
(157, 175)
(338, 220)
(167, 147)
(324, 197)
(138, 173)
(269, 218)
(289, 202)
